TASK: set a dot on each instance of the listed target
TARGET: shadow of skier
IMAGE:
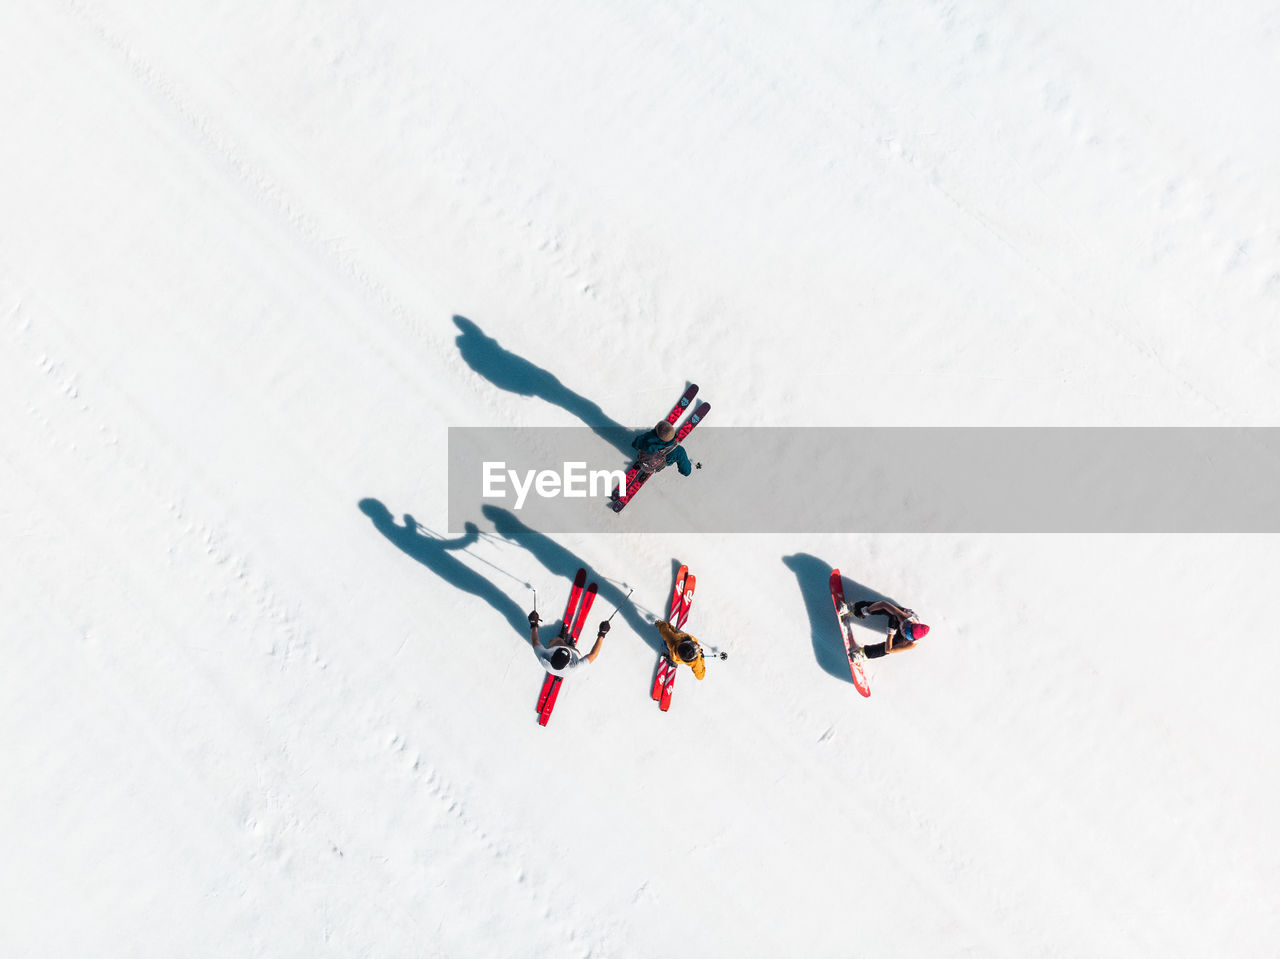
(434, 553)
(515, 374)
(564, 563)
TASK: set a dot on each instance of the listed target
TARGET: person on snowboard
(683, 648)
(905, 628)
(560, 656)
(657, 449)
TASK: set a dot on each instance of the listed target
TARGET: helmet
(917, 630)
(687, 650)
(666, 432)
(560, 658)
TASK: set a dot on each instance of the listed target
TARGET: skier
(905, 628)
(683, 648)
(657, 449)
(560, 656)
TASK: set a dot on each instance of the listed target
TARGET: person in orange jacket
(683, 648)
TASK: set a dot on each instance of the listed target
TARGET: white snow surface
(237, 720)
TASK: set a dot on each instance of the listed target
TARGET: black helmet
(687, 650)
(560, 658)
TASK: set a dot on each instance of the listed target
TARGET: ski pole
(619, 606)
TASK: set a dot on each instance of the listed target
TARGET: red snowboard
(856, 657)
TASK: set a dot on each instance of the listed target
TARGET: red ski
(579, 581)
(572, 626)
(663, 682)
(681, 601)
(686, 599)
(851, 647)
(664, 664)
(635, 477)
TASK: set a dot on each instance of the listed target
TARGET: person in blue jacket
(657, 449)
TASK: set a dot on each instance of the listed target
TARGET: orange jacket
(673, 638)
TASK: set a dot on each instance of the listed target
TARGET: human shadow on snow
(813, 576)
(436, 553)
(564, 563)
(515, 374)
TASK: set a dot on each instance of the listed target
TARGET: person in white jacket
(560, 656)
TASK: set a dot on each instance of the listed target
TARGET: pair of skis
(681, 601)
(581, 597)
(636, 477)
(857, 659)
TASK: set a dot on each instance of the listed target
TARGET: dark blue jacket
(650, 448)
